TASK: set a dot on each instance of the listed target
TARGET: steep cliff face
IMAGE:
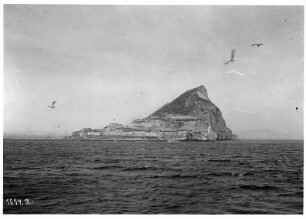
(192, 112)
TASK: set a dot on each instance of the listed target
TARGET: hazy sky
(107, 64)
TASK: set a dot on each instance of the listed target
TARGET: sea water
(124, 177)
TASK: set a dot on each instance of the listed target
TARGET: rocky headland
(191, 116)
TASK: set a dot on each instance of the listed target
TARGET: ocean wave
(221, 174)
(248, 211)
(255, 187)
(106, 167)
(141, 168)
(292, 194)
(247, 174)
(178, 176)
(219, 160)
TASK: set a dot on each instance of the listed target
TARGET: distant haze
(107, 64)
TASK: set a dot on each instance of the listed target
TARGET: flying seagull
(52, 104)
(236, 72)
(257, 44)
(232, 57)
(243, 111)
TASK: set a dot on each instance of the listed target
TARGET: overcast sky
(107, 64)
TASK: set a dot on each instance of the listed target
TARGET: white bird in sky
(52, 104)
(243, 111)
(236, 72)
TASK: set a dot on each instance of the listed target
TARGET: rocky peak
(202, 92)
(193, 102)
